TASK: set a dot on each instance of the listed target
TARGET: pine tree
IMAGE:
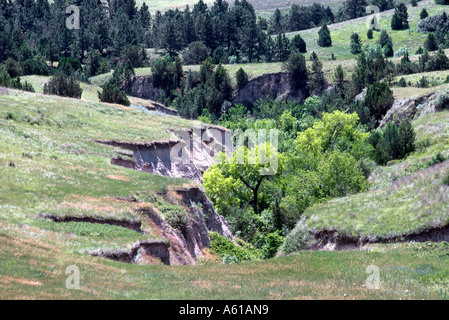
(298, 44)
(431, 43)
(339, 77)
(317, 83)
(324, 37)
(356, 44)
(424, 14)
(399, 20)
(297, 71)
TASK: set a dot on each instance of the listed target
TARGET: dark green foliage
(423, 82)
(64, 86)
(441, 2)
(242, 78)
(419, 51)
(356, 44)
(399, 20)
(69, 65)
(369, 34)
(317, 80)
(229, 251)
(35, 66)
(111, 93)
(431, 43)
(424, 14)
(379, 99)
(167, 73)
(402, 82)
(446, 179)
(384, 39)
(393, 142)
(438, 158)
(8, 82)
(272, 243)
(298, 44)
(13, 68)
(324, 37)
(388, 50)
(414, 3)
(297, 71)
(196, 53)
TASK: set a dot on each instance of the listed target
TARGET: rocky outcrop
(410, 108)
(274, 85)
(141, 87)
(187, 157)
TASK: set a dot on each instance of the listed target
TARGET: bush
(446, 179)
(196, 53)
(69, 65)
(424, 14)
(111, 93)
(438, 158)
(402, 82)
(355, 44)
(369, 34)
(230, 252)
(431, 43)
(35, 66)
(402, 51)
(442, 101)
(8, 82)
(242, 78)
(272, 243)
(13, 68)
(64, 86)
(423, 82)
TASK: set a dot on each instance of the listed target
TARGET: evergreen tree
(298, 44)
(424, 14)
(324, 37)
(297, 71)
(399, 20)
(431, 43)
(356, 44)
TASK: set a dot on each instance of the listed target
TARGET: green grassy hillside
(341, 32)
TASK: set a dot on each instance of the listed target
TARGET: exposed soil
(132, 225)
(141, 250)
(332, 240)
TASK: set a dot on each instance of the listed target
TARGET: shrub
(402, 82)
(69, 65)
(388, 50)
(423, 82)
(442, 101)
(431, 43)
(35, 66)
(369, 34)
(272, 243)
(230, 252)
(438, 158)
(242, 78)
(446, 179)
(13, 68)
(176, 217)
(8, 82)
(64, 86)
(111, 93)
(196, 53)
(402, 51)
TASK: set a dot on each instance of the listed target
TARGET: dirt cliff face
(274, 85)
(141, 87)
